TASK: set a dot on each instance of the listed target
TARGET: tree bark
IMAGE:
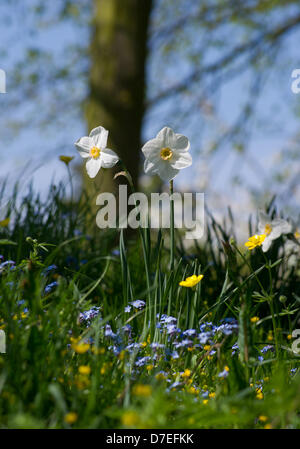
(117, 82)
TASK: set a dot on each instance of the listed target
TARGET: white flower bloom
(167, 154)
(271, 228)
(94, 149)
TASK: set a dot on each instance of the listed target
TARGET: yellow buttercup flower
(81, 348)
(254, 319)
(66, 159)
(130, 419)
(263, 418)
(255, 240)
(84, 369)
(71, 417)
(187, 372)
(142, 390)
(191, 281)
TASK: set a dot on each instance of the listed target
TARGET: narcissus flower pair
(165, 155)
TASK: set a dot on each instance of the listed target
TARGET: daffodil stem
(271, 303)
(172, 235)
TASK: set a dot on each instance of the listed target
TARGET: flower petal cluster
(93, 148)
(167, 154)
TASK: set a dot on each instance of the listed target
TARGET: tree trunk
(117, 82)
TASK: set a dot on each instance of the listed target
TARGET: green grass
(41, 381)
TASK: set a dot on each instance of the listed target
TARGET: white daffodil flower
(94, 149)
(271, 228)
(167, 154)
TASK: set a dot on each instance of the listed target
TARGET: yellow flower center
(166, 154)
(95, 152)
(297, 234)
(268, 229)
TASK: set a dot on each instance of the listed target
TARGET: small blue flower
(108, 332)
(50, 287)
(138, 304)
(267, 348)
(223, 374)
(190, 333)
(142, 361)
(49, 269)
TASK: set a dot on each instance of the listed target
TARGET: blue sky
(33, 153)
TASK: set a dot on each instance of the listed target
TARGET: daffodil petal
(167, 136)
(181, 143)
(108, 158)
(266, 244)
(152, 148)
(92, 167)
(181, 159)
(99, 136)
(83, 145)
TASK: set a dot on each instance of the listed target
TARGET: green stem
(271, 304)
(172, 234)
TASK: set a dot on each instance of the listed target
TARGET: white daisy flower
(94, 149)
(271, 228)
(167, 154)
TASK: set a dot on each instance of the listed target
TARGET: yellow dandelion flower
(254, 319)
(191, 281)
(254, 241)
